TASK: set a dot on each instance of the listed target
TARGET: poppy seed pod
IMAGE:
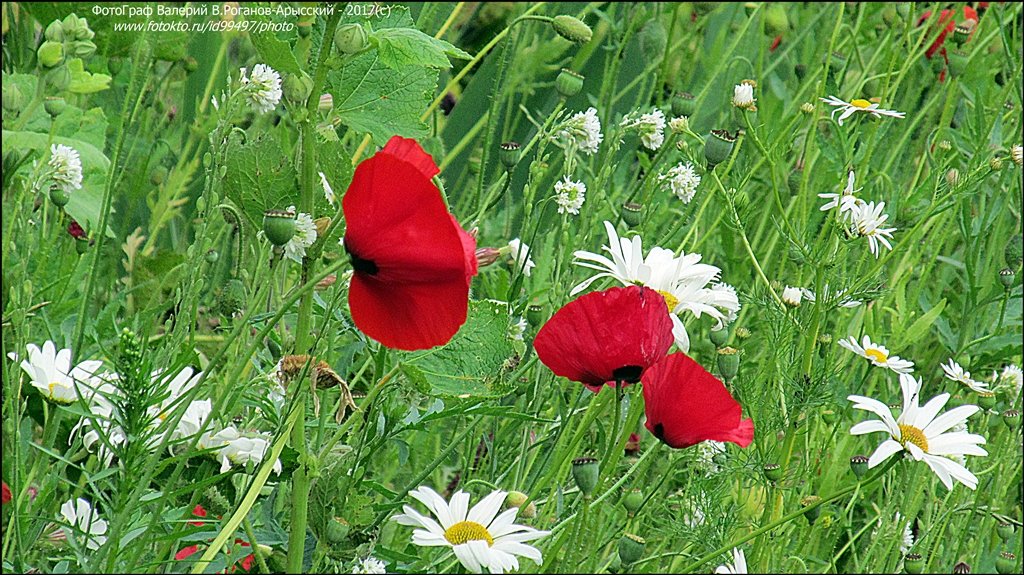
(632, 501)
(957, 62)
(54, 105)
(279, 226)
(1007, 278)
(859, 465)
(772, 472)
(572, 29)
(631, 213)
(585, 473)
(719, 336)
(535, 314)
(986, 400)
(728, 362)
(718, 147)
(913, 563)
(509, 154)
(1011, 417)
(813, 503)
(631, 548)
(59, 197)
(683, 104)
(568, 83)
(1006, 562)
(1005, 531)
(961, 568)
(350, 38)
(337, 530)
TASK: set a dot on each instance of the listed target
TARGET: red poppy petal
(468, 250)
(410, 151)
(408, 316)
(247, 562)
(598, 333)
(686, 405)
(186, 552)
(7, 496)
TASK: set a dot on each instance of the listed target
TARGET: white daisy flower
(65, 167)
(681, 280)
(328, 190)
(305, 236)
(651, 128)
(878, 355)
(682, 180)
(370, 565)
(922, 432)
(867, 220)
(583, 130)
(846, 200)
(84, 520)
(570, 196)
(901, 525)
(850, 108)
(843, 300)
(520, 253)
(1013, 377)
(792, 296)
(264, 87)
(957, 373)
(193, 419)
(739, 564)
(481, 538)
(1017, 155)
(51, 373)
(743, 96)
(235, 448)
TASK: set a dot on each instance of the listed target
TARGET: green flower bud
(54, 105)
(996, 163)
(814, 511)
(83, 48)
(59, 78)
(297, 87)
(683, 104)
(304, 29)
(1007, 278)
(1011, 417)
(568, 83)
(1006, 563)
(719, 336)
(653, 40)
(585, 472)
(13, 98)
(190, 64)
(55, 31)
(50, 54)
(631, 548)
(743, 333)
(913, 563)
(1014, 252)
(772, 472)
(350, 39)
(631, 212)
(632, 501)
(776, 21)
(82, 245)
(572, 29)
(718, 147)
(728, 363)
(1005, 531)
(509, 155)
(158, 175)
(279, 226)
(517, 499)
(337, 530)
(859, 465)
(211, 256)
(59, 197)
(535, 314)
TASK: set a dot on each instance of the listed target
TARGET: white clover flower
(922, 433)
(51, 373)
(232, 447)
(305, 236)
(867, 220)
(328, 190)
(570, 196)
(878, 355)
(651, 128)
(792, 296)
(679, 124)
(845, 201)
(520, 253)
(84, 520)
(1017, 155)
(682, 180)
(956, 373)
(739, 564)
(370, 565)
(583, 130)
(743, 96)
(850, 108)
(65, 167)
(264, 88)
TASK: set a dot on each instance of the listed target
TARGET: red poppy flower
(947, 24)
(246, 563)
(686, 405)
(775, 43)
(198, 511)
(76, 231)
(606, 336)
(412, 261)
(7, 496)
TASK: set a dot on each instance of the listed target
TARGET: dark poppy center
(362, 265)
(628, 373)
(659, 431)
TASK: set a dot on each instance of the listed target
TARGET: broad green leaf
(275, 53)
(475, 363)
(88, 126)
(83, 82)
(403, 46)
(259, 177)
(921, 326)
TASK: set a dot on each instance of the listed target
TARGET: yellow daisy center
(876, 355)
(51, 386)
(911, 434)
(465, 531)
(860, 103)
(670, 300)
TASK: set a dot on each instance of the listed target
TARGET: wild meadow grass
(493, 287)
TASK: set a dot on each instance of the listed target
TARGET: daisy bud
(1017, 155)
(996, 164)
(54, 105)
(683, 104)
(279, 226)
(1007, 278)
(1005, 531)
(961, 568)
(679, 125)
(50, 54)
(631, 548)
(953, 177)
(775, 19)
(807, 108)
(653, 40)
(812, 501)
(631, 213)
(913, 563)
(585, 473)
(535, 314)
(859, 465)
(59, 197)
(1006, 562)
(772, 472)
(1013, 252)
(509, 155)
(718, 147)
(568, 83)
(728, 363)
(337, 530)
(1011, 417)
(743, 333)
(986, 400)
(350, 38)
(632, 501)
(957, 62)
(517, 499)
(719, 336)
(572, 29)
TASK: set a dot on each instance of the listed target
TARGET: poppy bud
(814, 511)
(13, 98)
(535, 314)
(631, 213)
(775, 19)
(55, 31)
(631, 548)
(568, 83)
(718, 147)
(585, 473)
(82, 245)
(350, 38)
(297, 87)
(987, 400)
(772, 472)
(54, 105)
(913, 563)
(1007, 278)
(1011, 417)
(158, 175)
(509, 154)
(279, 226)
(59, 78)
(337, 530)
(859, 465)
(961, 568)
(572, 29)
(50, 54)
(517, 499)
(1013, 252)
(59, 197)
(653, 40)
(728, 363)
(683, 104)
(957, 62)
(632, 501)
(719, 336)
(1006, 562)
(1005, 531)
